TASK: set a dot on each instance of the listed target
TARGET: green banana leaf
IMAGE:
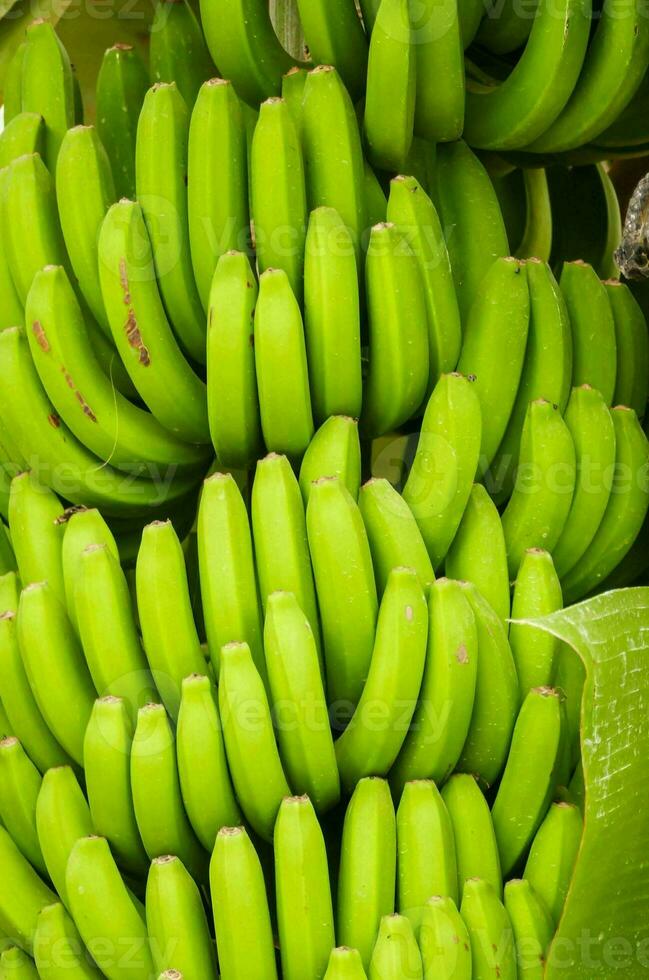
(604, 930)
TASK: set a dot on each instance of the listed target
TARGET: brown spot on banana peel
(41, 337)
(462, 654)
(68, 513)
(133, 335)
(85, 407)
(54, 420)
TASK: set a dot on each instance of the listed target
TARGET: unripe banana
(444, 941)
(332, 317)
(20, 782)
(17, 965)
(244, 937)
(12, 95)
(342, 567)
(55, 665)
(106, 758)
(398, 342)
(178, 52)
(370, 745)
(334, 36)
(36, 526)
(345, 963)
(632, 342)
(478, 553)
(367, 876)
(334, 451)
(47, 86)
(476, 848)
(176, 921)
(122, 83)
(545, 481)
(161, 174)
(390, 87)
(20, 904)
(304, 907)
(83, 528)
(9, 591)
(426, 861)
(255, 766)
(12, 312)
(442, 718)
(110, 923)
(395, 954)
(412, 211)
(205, 782)
(376, 202)
(490, 932)
(552, 857)
(445, 464)
(439, 54)
(217, 181)
(24, 134)
(537, 593)
(593, 328)
(62, 818)
(533, 928)
(157, 800)
(58, 949)
(228, 585)
(569, 678)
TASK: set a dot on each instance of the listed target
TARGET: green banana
(533, 928)
(545, 482)
(444, 941)
(552, 857)
(55, 666)
(293, 83)
(12, 313)
(625, 511)
(177, 51)
(396, 953)
(478, 553)
(82, 528)
(176, 921)
(167, 384)
(9, 588)
(376, 202)
(12, 96)
(536, 239)
(58, 949)
(278, 193)
(165, 612)
(253, 757)
(475, 233)
(345, 963)
(157, 801)
(443, 715)
(232, 401)
(47, 85)
(476, 847)
(390, 89)
(244, 937)
(62, 818)
(20, 905)
(529, 778)
(632, 343)
(506, 26)
(17, 965)
(398, 341)
(230, 598)
(426, 861)
(110, 923)
(439, 110)
(281, 367)
(490, 932)
(332, 317)
(334, 36)
(160, 178)
(36, 526)
(537, 593)
(205, 782)
(346, 590)
(367, 874)
(305, 915)
(20, 782)
(413, 212)
(629, 128)
(217, 181)
(441, 477)
(25, 134)
(106, 758)
(334, 451)
(593, 328)
(122, 83)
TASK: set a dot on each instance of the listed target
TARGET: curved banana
(47, 85)
(217, 182)
(335, 451)
(436, 32)
(17, 965)
(106, 759)
(58, 949)
(62, 817)
(20, 905)
(241, 917)
(533, 928)
(24, 134)
(593, 328)
(176, 921)
(160, 179)
(166, 382)
(253, 757)
(552, 857)
(490, 931)
(82, 528)
(506, 26)
(537, 593)
(205, 782)
(630, 128)
(390, 89)
(346, 591)
(442, 718)
(281, 367)
(444, 941)
(332, 317)
(122, 83)
(396, 953)
(545, 482)
(476, 848)
(104, 912)
(446, 461)
(12, 96)
(478, 553)
(632, 342)
(367, 874)
(230, 597)
(20, 782)
(36, 523)
(334, 36)
(178, 52)
(305, 916)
